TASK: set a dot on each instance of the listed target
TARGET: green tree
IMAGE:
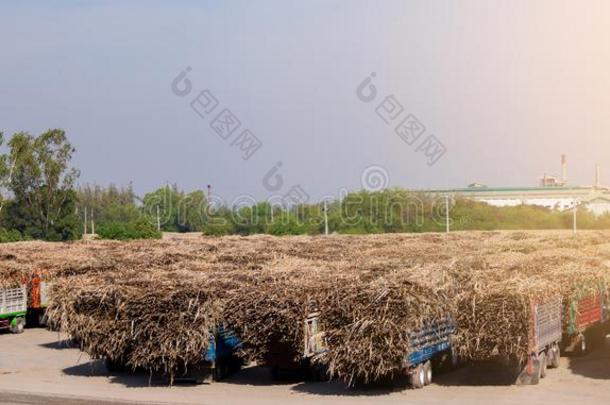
(108, 204)
(191, 212)
(42, 183)
(8, 163)
(165, 202)
(178, 212)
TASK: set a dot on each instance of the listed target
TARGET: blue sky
(506, 86)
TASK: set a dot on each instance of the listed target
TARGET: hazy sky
(506, 86)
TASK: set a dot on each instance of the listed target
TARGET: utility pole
(447, 213)
(85, 230)
(92, 223)
(325, 219)
(575, 227)
(158, 220)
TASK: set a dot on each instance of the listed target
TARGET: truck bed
(13, 301)
(430, 340)
(545, 324)
(586, 312)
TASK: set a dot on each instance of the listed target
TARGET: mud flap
(530, 374)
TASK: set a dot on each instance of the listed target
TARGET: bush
(10, 235)
(287, 226)
(219, 227)
(140, 229)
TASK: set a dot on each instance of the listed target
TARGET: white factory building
(552, 193)
(558, 197)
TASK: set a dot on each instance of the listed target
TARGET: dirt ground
(38, 368)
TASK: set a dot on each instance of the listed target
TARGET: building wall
(599, 207)
(553, 203)
(560, 198)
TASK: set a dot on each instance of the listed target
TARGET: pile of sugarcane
(155, 304)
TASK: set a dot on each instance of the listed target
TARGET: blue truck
(217, 363)
(433, 342)
(220, 359)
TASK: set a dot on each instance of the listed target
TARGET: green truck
(13, 308)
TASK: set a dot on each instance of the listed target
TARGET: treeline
(39, 199)
(362, 212)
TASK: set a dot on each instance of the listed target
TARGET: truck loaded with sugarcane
(432, 343)
(217, 362)
(544, 338)
(24, 302)
(586, 319)
(13, 307)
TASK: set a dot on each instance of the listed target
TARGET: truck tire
(221, 371)
(556, 355)
(316, 373)
(417, 378)
(542, 361)
(536, 372)
(581, 347)
(427, 373)
(42, 319)
(455, 359)
(17, 326)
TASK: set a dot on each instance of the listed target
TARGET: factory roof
(565, 191)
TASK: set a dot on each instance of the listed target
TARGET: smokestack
(564, 169)
(597, 176)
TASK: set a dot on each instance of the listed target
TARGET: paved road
(36, 368)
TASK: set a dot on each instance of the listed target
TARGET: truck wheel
(581, 348)
(418, 377)
(556, 355)
(455, 359)
(316, 373)
(217, 372)
(536, 374)
(17, 326)
(221, 371)
(542, 359)
(428, 373)
(42, 319)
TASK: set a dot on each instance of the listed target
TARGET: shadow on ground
(60, 344)
(595, 365)
(260, 376)
(338, 388)
(480, 374)
(252, 376)
(130, 379)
